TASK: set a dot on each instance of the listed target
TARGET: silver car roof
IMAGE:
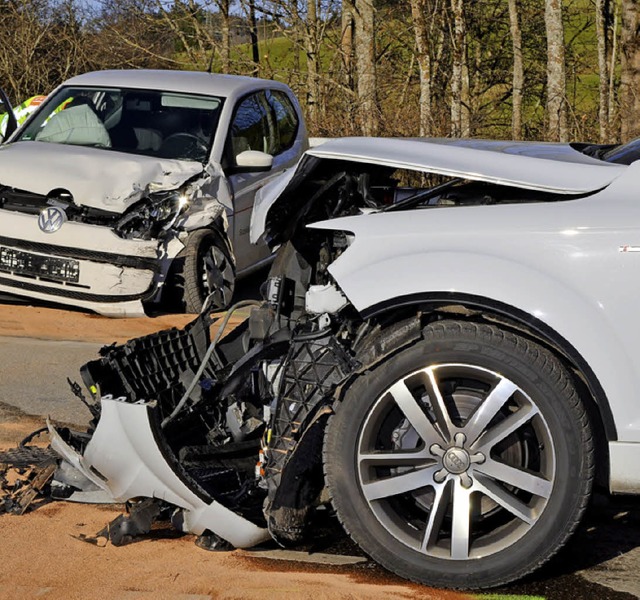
(196, 82)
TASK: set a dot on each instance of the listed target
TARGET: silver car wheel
(472, 453)
(204, 266)
(217, 276)
(465, 458)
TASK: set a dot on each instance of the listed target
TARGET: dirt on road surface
(41, 556)
(53, 324)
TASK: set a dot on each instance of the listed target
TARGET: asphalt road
(34, 377)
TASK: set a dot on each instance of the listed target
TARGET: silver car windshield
(147, 122)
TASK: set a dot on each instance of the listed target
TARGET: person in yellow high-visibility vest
(21, 112)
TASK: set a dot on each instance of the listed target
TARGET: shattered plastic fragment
(20, 488)
(213, 543)
(124, 528)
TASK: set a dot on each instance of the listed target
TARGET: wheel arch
(479, 309)
(218, 228)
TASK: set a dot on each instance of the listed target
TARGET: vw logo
(51, 219)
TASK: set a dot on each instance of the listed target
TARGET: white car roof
(196, 82)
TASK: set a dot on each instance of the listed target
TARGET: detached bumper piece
(191, 467)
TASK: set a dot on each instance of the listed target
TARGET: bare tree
(556, 72)
(467, 74)
(313, 62)
(253, 33)
(366, 67)
(459, 73)
(304, 23)
(630, 70)
(612, 65)
(602, 12)
(347, 39)
(42, 44)
(224, 7)
(131, 34)
(418, 9)
(518, 71)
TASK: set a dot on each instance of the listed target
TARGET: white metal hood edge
(545, 167)
(95, 178)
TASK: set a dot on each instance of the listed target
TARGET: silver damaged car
(127, 188)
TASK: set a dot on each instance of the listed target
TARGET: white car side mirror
(254, 160)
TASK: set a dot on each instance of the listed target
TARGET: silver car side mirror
(254, 160)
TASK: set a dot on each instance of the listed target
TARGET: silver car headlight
(151, 216)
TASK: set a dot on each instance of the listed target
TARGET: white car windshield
(147, 122)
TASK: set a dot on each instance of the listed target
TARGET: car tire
(204, 266)
(464, 460)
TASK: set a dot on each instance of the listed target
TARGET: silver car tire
(462, 461)
(204, 267)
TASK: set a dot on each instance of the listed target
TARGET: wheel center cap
(456, 460)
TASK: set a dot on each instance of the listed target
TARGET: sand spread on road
(40, 558)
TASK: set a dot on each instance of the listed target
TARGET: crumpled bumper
(125, 460)
(82, 265)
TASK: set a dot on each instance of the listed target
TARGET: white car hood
(547, 167)
(95, 177)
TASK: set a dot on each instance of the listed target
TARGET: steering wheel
(183, 145)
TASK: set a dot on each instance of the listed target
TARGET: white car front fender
(567, 278)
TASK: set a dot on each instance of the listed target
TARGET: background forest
(519, 69)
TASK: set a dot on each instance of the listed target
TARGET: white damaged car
(126, 187)
(447, 349)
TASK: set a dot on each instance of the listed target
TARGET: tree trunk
(630, 71)
(602, 10)
(366, 66)
(466, 103)
(253, 34)
(347, 40)
(518, 71)
(612, 68)
(311, 50)
(556, 73)
(226, 35)
(424, 64)
(459, 71)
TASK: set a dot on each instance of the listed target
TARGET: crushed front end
(112, 254)
(226, 432)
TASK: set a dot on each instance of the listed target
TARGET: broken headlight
(151, 216)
